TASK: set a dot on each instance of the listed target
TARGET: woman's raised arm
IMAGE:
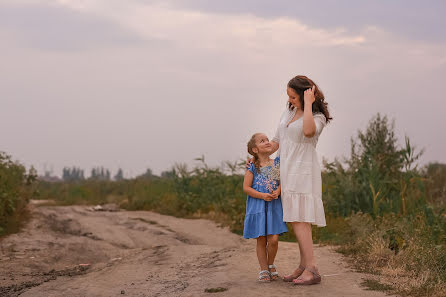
(309, 126)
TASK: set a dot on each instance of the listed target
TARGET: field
(382, 210)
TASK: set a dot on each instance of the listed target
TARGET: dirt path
(142, 253)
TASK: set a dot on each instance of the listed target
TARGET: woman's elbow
(309, 133)
(245, 189)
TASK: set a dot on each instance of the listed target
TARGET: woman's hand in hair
(309, 97)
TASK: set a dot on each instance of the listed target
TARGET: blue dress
(264, 217)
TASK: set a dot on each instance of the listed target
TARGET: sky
(140, 84)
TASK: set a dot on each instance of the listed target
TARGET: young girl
(264, 218)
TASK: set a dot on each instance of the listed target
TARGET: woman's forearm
(309, 126)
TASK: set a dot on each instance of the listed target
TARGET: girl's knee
(261, 240)
(273, 240)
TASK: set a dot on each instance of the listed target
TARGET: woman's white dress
(300, 173)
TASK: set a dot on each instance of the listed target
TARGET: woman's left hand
(309, 96)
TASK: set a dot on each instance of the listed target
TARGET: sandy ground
(73, 251)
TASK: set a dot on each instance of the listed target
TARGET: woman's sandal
(264, 276)
(274, 274)
(296, 274)
(316, 279)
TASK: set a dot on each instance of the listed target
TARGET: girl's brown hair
(301, 83)
(251, 145)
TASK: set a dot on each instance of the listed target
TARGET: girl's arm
(247, 188)
(309, 126)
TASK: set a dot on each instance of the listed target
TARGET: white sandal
(274, 275)
(264, 276)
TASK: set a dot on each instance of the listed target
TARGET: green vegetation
(16, 187)
(215, 290)
(383, 211)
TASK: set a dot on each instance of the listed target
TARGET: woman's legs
(261, 252)
(305, 240)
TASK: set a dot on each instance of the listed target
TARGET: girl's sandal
(264, 276)
(315, 280)
(296, 274)
(274, 274)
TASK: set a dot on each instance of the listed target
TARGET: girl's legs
(261, 252)
(305, 240)
(273, 246)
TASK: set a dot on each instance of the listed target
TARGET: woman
(300, 175)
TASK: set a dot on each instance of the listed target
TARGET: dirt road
(73, 251)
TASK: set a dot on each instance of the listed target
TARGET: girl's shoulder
(277, 161)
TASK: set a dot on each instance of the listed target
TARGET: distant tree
(72, 174)
(119, 175)
(169, 173)
(100, 173)
(148, 175)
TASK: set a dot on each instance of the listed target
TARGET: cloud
(412, 19)
(55, 27)
(210, 30)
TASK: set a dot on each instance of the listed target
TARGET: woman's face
(293, 98)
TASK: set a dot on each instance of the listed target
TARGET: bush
(15, 191)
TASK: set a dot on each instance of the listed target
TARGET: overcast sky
(141, 83)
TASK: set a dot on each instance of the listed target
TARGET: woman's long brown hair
(301, 83)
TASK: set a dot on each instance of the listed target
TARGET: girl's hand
(268, 197)
(309, 96)
(276, 193)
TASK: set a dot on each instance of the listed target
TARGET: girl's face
(262, 144)
(293, 98)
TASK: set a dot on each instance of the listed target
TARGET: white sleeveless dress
(300, 173)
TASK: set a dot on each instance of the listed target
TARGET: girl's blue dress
(264, 217)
